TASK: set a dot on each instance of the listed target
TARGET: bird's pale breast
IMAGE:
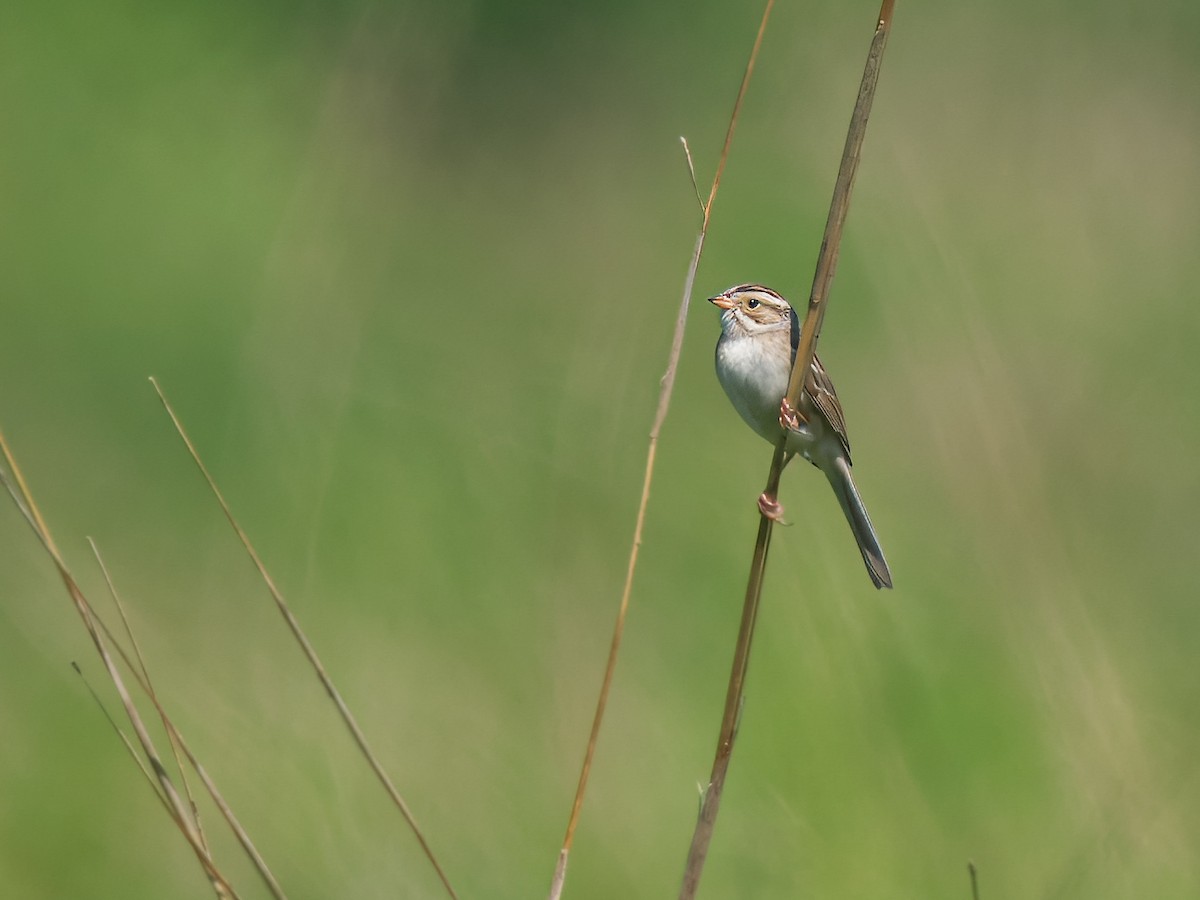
(754, 373)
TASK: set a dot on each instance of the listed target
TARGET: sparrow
(759, 336)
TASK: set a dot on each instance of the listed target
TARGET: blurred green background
(409, 272)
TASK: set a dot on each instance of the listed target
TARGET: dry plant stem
(178, 744)
(974, 880)
(124, 738)
(664, 402)
(167, 796)
(711, 800)
(560, 868)
(220, 887)
(831, 242)
(148, 686)
(214, 793)
(178, 812)
(826, 265)
(177, 741)
(302, 639)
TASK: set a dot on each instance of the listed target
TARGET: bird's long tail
(860, 523)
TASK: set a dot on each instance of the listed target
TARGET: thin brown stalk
(124, 738)
(214, 793)
(239, 832)
(148, 686)
(101, 633)
(664, 402)
(302, 639)
(178, 744)
(831, 243)
(974, 880)
(826, 265)
(19, 491)
(219, 887)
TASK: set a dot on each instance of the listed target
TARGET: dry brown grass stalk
(310, 653)
(179, 813)
(148, 685)
(179, 746)
(664, 403)
(826, 266)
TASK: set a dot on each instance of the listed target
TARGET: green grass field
(408, 273)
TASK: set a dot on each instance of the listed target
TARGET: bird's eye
(752, 303)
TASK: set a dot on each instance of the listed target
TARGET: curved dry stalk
(23, 498)
(179, 745)
(826, 265)
(310, 653)
(124, 738)
(664, 402)
(838, 207)
(142, 675)
(147, 685)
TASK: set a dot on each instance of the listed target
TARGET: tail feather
(860, 523)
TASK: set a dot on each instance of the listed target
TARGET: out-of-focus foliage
(408, 272)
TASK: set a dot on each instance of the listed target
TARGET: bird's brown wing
(820, 387)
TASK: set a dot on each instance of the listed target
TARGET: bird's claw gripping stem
(771, 508)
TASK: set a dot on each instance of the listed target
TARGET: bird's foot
(771, 508)
(789, 417)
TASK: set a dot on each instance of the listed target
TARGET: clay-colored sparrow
(759, 335)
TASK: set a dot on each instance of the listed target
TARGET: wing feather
(819, 387)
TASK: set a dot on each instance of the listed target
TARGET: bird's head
(748, 309)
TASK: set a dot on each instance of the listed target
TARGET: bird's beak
(722, 301)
